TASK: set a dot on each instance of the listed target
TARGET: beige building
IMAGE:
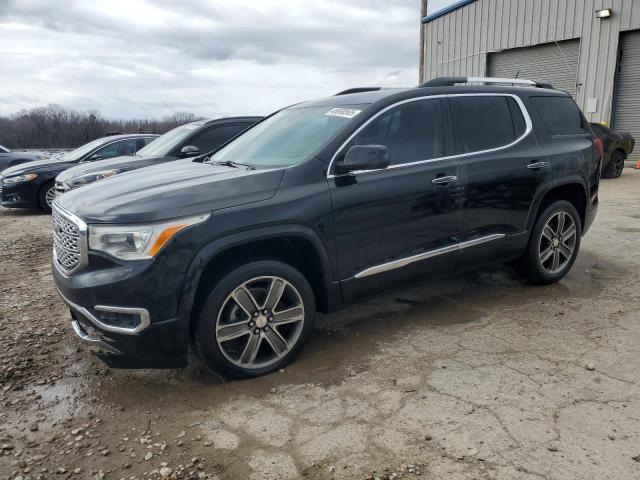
(590, 48)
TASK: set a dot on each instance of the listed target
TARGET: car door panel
(397, 223)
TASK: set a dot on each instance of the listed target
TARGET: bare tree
(56, 127)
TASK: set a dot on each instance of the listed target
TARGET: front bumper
(19, 195)
(148, 292)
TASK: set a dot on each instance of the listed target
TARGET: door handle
(537, 165)
(444, 180)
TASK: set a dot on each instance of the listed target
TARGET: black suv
(319, 205)
(186, 141)
(32, 184)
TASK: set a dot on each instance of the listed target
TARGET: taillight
(599, 146)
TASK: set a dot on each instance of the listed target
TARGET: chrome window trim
(143, 312)
(83, 244)
(523, 109)
(403, 262)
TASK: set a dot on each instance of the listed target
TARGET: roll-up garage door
(627, 100)
(556, 63)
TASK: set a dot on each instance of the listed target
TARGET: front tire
(46, 197)
(615, 166)
(554, 244)
(255, 320)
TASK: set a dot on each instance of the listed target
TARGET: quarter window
(561, 115)
(411, 132)
(485, 122)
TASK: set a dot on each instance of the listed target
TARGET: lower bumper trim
(94, 342)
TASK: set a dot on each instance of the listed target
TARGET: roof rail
(451, 81)
(358, 90)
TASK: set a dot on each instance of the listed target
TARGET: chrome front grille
(68, 237)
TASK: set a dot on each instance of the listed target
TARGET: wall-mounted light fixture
(604, 13)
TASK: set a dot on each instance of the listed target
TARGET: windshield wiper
(229, 163)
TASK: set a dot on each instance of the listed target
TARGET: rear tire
(46, 196)
(554, 244)
(615, 166)
(255, 320)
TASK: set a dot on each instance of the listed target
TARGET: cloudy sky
(138, 58)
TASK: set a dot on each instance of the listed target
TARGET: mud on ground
(479, 376)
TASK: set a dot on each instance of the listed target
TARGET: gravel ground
(478, 376)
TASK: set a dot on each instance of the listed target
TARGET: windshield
(80, 152)
(288, 137)
(164, 145)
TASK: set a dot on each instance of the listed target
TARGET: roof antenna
(517, 74)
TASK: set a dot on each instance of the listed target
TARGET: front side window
(216, 136)
(80, 152)
(411, 132)
(109, 151)
(288, 137)
(167, 143)
(484, 122)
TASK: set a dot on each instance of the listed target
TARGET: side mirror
(189, 151)
(363, 157)
(95, 157)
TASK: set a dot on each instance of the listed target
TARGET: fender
(220, 245)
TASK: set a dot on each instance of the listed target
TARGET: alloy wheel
(618, 164)
(50, 196)
(260, 322)
(557, 242)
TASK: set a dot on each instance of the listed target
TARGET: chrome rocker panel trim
(145, 320)
(403, 262)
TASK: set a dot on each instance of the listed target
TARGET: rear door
(502, 168)
(399, 222)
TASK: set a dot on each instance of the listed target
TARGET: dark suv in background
(32, 185)
(319, 205)
(186, 141)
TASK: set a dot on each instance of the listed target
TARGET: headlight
(19, 178)
(90, 178)
(136, 242)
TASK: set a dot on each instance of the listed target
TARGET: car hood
(171, 190)
(124, 164)
(37, 166)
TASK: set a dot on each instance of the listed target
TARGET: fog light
(118, 319)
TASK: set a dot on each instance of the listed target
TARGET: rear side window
(411, 132)
(482, 123)
(560, 115)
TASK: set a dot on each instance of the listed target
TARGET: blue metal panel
(446, 10)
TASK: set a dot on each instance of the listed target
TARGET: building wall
(458, 43)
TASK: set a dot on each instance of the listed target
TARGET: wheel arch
(296, 245)
(571, 190)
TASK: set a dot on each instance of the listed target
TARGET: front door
(399, 222)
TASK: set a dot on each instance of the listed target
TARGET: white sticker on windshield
(343, 112)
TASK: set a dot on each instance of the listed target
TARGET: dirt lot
(480, 376)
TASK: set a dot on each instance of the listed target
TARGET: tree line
(56, 127)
